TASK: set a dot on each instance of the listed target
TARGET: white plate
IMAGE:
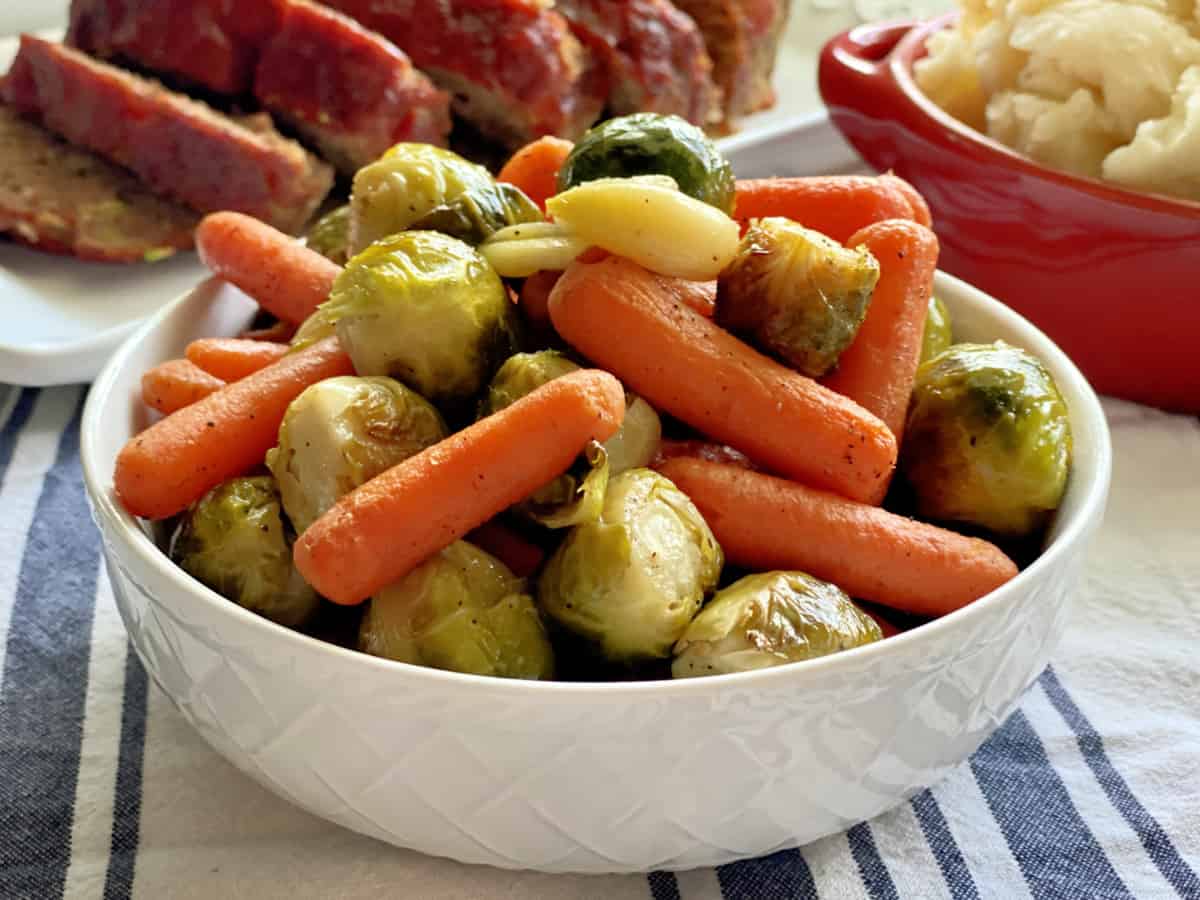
(71, 315)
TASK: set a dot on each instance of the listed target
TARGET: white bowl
(565, 777)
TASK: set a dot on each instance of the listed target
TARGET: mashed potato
(1104, 88)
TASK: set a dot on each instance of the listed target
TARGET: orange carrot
(534, 168)
(766, 523)
(175, 384)
(698, 295)
(285, 277)
(627, 320)
(835, 205)
(177, 460)
(718, 453)
(383, 529)
(920, 209)
(521, 556)
(878, 368)
(534, 302)
(233, 358)
(279, 333)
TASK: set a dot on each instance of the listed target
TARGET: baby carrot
(175, 384)
(718, 453)
(233, 358)
(534, 301)
(280, 333)
(835, 205)
(177, 460)
(879, 366)
(698, 295)
(380, 531)
(920, 209)
(534, 168)
(766, 523)
(285, 277)
(627, 320)
(521, 556)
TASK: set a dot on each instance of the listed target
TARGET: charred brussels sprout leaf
(769, 620)
(236, 542)
(475, 216)
(938, 335)
(796, 293)
(631, 582)
(342, 432)
(330, 235)
(988, 439)
(461, 610)
(652, 144)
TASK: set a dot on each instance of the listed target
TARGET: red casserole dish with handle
(1113, 276)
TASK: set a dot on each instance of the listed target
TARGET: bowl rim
(913, 47)
(119, 526)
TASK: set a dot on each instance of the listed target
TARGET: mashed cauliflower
(1104, 88)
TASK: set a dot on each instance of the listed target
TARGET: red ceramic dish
(1113, 276)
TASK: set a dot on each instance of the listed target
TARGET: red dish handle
(854, 72)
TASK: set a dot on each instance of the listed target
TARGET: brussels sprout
(988, 439)
(797, 294)
(768, 620)
(937, 336)
(420, 183)
(344, 431)
(652, 144)
(636, 442)
(236, 542)
(461, 610)
(632, 581)
(521, 374)
(330, 235)
(425, 309)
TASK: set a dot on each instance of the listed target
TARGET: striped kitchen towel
(1090, 790)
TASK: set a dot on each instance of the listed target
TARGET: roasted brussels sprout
(341, 432)
(768, 620)
(988, 439)
(461, 610)
(330, 235)
(236, 542)
(796, 293)
(521, 374)
(652, 144)
(419, 185)
(937, 335)
(425, 309)
(632, 581)
(635, 444)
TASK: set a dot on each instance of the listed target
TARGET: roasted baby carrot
(285, 277)
(916, 202)
(698, 295)
(232, 358)
(878, 368)
(175, 384)
(534, 301)
(835, 205)
(718, 453)
(627, 320)
(766, 523)
(521, 556)
(177, 460)
(383, 529)
(534, 168)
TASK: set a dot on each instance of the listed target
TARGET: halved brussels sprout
(652, 144)
(988, 439)
(461, 610)
(631, 582)
(427, 187)
(771, 619)
(342, 432)
(938, 335)
(423, 308)
(797, 294)
(330, 235)
(236, 542)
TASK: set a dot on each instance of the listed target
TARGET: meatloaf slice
(64, 200)
(654, 54)
(513, 67)
(350, 91)
(743, 39)
(180, 148)
(214, 44)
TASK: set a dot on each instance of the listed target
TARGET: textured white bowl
(579, 777)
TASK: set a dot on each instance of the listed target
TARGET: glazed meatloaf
(742, 38)
(64, 200)
(179, 147)
(349, 91)
(214, 44)
(654, 55)
(513, 67)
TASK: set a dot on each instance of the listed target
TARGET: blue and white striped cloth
(1091, 789)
